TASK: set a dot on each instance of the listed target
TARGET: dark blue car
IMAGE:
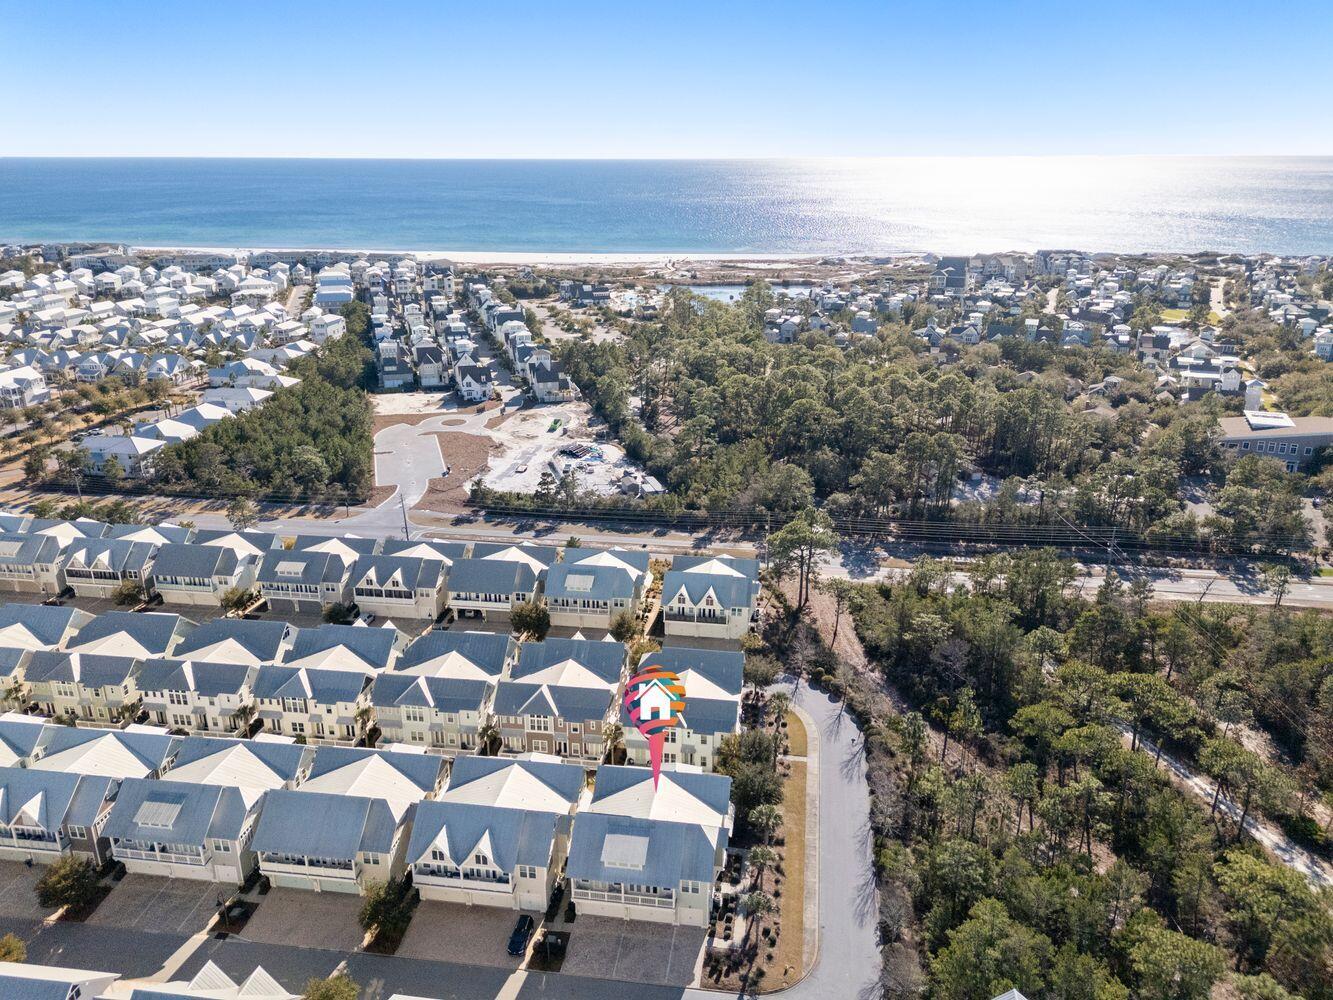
(518, 941)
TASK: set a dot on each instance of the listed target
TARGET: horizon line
(660, 159)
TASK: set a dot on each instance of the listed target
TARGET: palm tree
(778, 704)
(761, 858)
(758, 905)
(614, 739)
(766, 819)
(489, 738)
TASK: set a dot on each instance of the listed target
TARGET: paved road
(847, 963)
(1282, 847)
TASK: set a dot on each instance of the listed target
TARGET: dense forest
(311, 441)
(1027, 832)
(886, 428)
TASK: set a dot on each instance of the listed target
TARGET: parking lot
(307, 920)
(633, 951)
(18, 891)
(452, 932)
(168, 905)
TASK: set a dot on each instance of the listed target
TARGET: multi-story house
(30, 564)
(399, 586)
(253, 766)
(311, 704)
(1291, 440)
(303, 581)
(200, 574)
(197, 695)
(640, 852)
(490, 588)
(442, 713)
(45, 815)
(348, 822)
(89, 686)
(183, 830)
(551, 719)
(713, 680)
(710, 597)
(588, 596)
(498, 835)
(98, 567)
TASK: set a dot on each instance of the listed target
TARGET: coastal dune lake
(945, 204)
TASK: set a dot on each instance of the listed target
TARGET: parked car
(518, 941)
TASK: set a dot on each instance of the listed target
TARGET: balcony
(630, 898)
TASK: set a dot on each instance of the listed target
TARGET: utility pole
(403, 506)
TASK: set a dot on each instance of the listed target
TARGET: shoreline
(551, 257)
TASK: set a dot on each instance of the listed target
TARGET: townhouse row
(582, 588)
(489, 831)
(449, 692)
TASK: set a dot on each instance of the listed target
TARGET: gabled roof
(427, 548)
(158, 534)
(29, 549)
(19, 736)
(706, 673)
(398, 778)
(128, 633)
(211, 983)
(537, 557)
(682, 796)
(540, 785)
(114, 753)
(659, 853)
(571, 662)
(235, 640)
(176, 812)
(316, 824)
(39, 626)
(443, 694)
(88, 670)
(252, 766)
(250, 542)
(50, 799)
(204, 678)
(633, 561)
(514, 836)
(457, 654)
(287, 566)
(491, 576)
(576, 704)
(189, 559)
(116, 554)
(589, 582)
(407, 572)
(342, 647)
(324, 687)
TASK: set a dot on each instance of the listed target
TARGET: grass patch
(786, 968)
(796, 736)
(1324, 571)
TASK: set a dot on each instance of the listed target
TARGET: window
(220, 846)
(370, 859)
(527, 871)
(480, 859)
(78, 832)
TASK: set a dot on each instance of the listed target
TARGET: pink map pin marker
(654, 700)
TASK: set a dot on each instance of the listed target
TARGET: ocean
(797, 207)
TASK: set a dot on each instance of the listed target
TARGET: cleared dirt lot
(18, 892)
(452, 932)
(307, 920)
(632, 951)
(169, 905)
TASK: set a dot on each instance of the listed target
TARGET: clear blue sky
(504, 78)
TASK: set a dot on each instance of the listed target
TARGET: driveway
(163, 905)
(18, 891)
(307, 920)
(632, 951)
(453, 932)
